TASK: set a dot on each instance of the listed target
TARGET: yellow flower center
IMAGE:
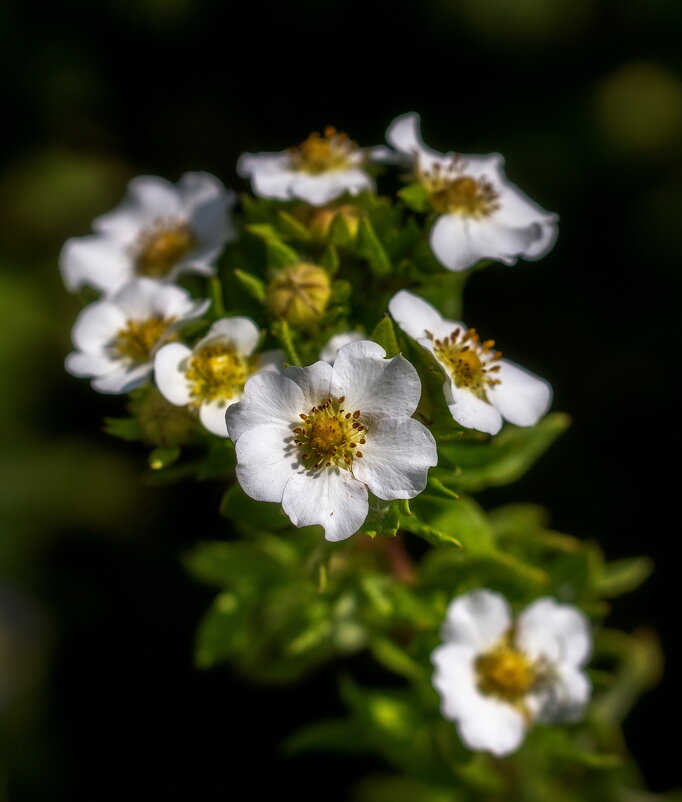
(507, 673)
(330, 435)
(453, 192)
(138, 339)
(161, 247)
(323, 154)
(468, 362)
(217, 373)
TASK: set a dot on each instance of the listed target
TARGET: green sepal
(384, 334)
(415, 197)
(369, 246)
(279, 254)
(330, 259)
(252, 285)
(622, 576)
(282, 331)
(383, 519)
(124, 428)
(339, 231)
(431, 534)
(292, 228)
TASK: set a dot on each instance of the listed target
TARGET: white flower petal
(378, 387)
(97, 325)
(396, 458)
(521, 397)
(314, 381)
(96, 261)
(558, 632)
(495, 727)
(270, 398)
(415, 316)
(212, 416)
(148, 199)
(404, 133)
(250, 164)
(266, 460)
(331, 348)
(170, 375)
(123, 379)
(478, 619)
(318, 190)
(207, 204)
(549, 232)
(452, 244)
(494, 239)
(82, 364)
(240, 333)
(470, 411)
(331, 498)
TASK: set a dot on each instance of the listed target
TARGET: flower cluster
(309, 367)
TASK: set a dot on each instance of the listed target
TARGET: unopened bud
(161, 423)
(299, 294)
(322, 219)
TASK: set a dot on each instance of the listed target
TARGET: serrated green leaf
(252, 285)
(415, 197)
(384, 334)
(370, 247)
(289, 226)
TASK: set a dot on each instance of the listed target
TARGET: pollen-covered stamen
(471, 364)
(329, 435)
(216, 372)
(452, 191)
(160, 247)
(507, 673)
(323, 154)
(139, 338)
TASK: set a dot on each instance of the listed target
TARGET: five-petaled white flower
(116, 338)
(482, 214)
(481, 388)
(316, 438)
(211, 376)
(331, 348)
(495, 676)
(160, 230)
(318, 170)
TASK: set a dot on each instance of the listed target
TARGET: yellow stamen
(323, 154)
(161, 247)
(217, 372)
(138, 339)
(468, 362)
(452, 191)
(328, 435)
(507, 673)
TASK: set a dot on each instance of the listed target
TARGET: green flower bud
(162, 423)
(299, 294)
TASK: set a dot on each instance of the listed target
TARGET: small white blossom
(160, 230)
(211, 376)
(496, 677)
(316, 439)
(482, 214)
(331, 348)
(481, 388)
(318, 170)
(116, 338)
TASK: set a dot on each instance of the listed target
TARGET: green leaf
(431, 534)
(161, 458)
(280, 255)
(396, 659)
(291, 227)
(384, 334)
(473, 464)
(383, 519)
(252, 285)
(415, 197)
(265, 231)
(330, 259)
(218, 631)
(462, 522)
(123, 428)
(340, 735)
(339, 231)
(622, 576)
(370, 247)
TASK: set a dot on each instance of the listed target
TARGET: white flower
(482, 214)
(331, 348)
(318, 170)
(481, 388)
(316, 438)
(116, 338)
(495, 677)
(160, 230)
(211, 376)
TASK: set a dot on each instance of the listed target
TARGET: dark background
(99, 696)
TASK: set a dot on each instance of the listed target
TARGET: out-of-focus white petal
(97, 325)
(212, 416)
(170, 375)
(396, 458)
(331, 348)
(470, 411)
(269, 398)
(521, 397)
(123, 379)
(96, 261)
(333, 499)
(378, 387)
(495, 727)
(148, 199)
(415, 316)
(478, 619)
(240, 333)
(82, 364)
(265, 459)
(452, 243)
(557, 632)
